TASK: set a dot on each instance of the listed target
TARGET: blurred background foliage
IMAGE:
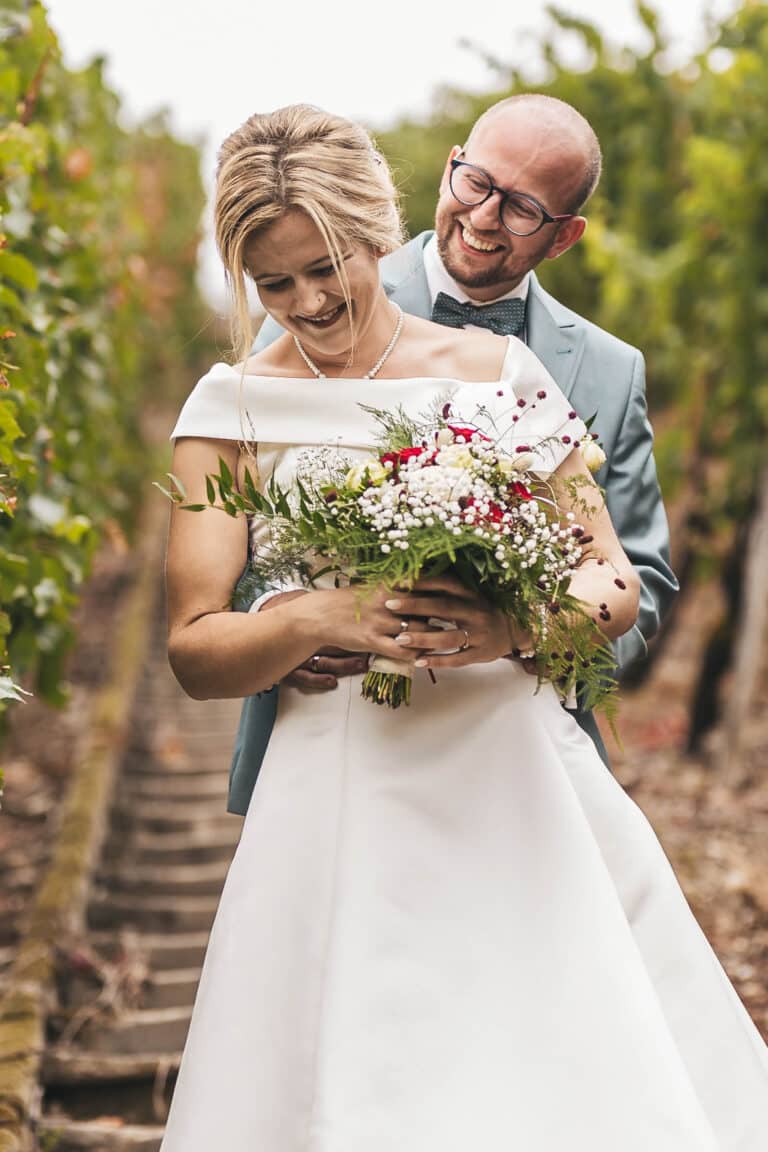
(100, 316)
(99, 311)
(674, 260)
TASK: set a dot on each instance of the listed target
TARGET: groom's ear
(454, 152)
(568, 233)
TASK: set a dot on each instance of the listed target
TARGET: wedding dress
(447, 928)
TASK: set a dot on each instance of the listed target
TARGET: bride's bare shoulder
(274, 360)
(473, 354)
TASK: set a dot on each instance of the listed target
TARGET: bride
(447, 927)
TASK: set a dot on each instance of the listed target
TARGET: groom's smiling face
(519, 154)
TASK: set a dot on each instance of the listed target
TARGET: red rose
(409, 453)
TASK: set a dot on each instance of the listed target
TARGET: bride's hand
(484, 633)
(360, 622)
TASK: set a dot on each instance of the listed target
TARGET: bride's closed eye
(282, 285)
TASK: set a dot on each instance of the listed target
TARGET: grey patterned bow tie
(505, 317)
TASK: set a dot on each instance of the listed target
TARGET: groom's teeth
(475, 241)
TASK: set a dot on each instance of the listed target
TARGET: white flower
(522, 461)
(444, 437)
(455, 456)
(513, 465)
(442, 485)
(360, 475)
(594, 457)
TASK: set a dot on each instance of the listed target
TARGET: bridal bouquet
(438, 496)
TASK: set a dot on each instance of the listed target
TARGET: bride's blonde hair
(303, 158)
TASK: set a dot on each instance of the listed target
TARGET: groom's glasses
(520, 214)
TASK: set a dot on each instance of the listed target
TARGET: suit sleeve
(635, 505)
(268, 333)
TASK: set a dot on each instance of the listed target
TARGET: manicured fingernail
(403, 638)
(421, 663)
(393, 604)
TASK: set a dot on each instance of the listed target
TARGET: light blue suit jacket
(600, 375)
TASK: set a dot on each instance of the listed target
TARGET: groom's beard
(502, 270)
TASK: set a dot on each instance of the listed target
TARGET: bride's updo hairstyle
(300, 157)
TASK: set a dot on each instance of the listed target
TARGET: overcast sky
(212, 64)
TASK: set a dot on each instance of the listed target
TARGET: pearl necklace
(370, 374)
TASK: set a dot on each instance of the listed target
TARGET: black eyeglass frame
(546, 217)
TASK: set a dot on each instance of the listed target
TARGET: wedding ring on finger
(314, 663)
(403, 637)
(465, 643)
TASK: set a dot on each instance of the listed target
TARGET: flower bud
(594, 457)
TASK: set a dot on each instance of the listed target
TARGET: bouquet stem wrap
(388, 682)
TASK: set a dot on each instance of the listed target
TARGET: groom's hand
(323, 670)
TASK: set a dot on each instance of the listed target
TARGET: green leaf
(17, 268)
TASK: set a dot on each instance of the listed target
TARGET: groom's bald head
(560, 127)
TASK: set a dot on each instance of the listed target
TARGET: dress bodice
(524, 407)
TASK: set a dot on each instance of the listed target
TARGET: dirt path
(715, 833)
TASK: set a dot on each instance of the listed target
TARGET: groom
(509, 199)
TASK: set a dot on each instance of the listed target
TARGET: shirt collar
(438, 280)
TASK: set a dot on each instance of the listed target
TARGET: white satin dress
(447, 928)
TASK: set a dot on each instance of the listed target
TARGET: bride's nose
(311, 300)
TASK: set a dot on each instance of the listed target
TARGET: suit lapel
(556, 335)
(404, 278)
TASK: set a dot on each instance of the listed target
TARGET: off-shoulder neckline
(349, 379)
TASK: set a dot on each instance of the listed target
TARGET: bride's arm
(215, 652)
(605, 579)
